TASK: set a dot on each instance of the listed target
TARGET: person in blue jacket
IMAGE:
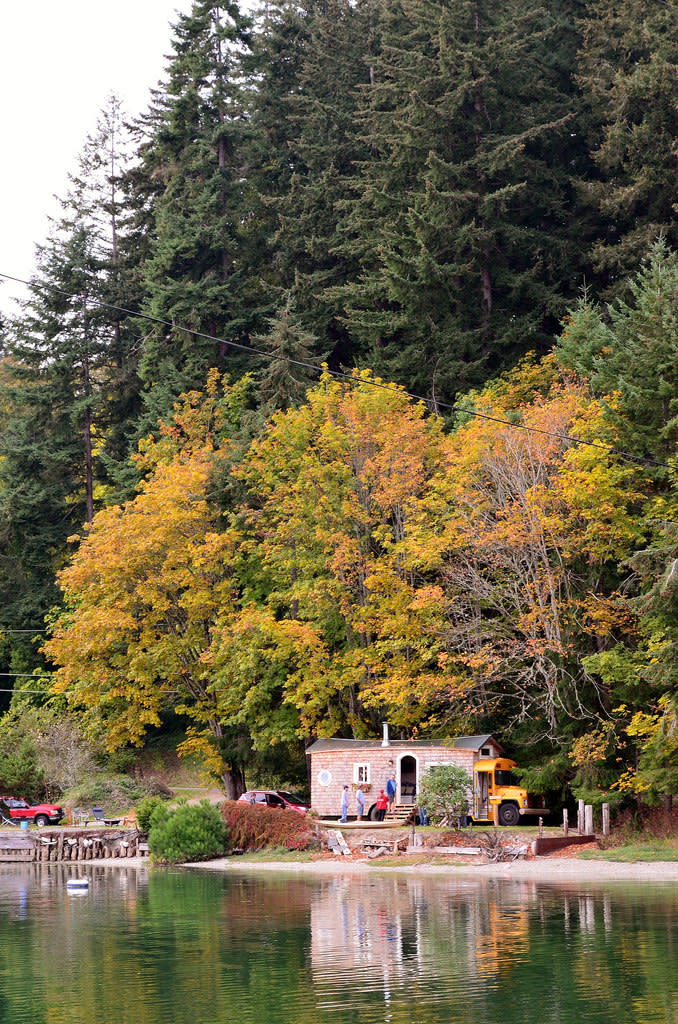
(391, 788)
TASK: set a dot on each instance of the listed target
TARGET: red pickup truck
(39, 814)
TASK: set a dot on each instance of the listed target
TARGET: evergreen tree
(50, 404)
(628, 73)
(68, 384)
(629, 352)
(315, 100)
(98, 197)
(197, 276)
(461, 216)
(285, 379)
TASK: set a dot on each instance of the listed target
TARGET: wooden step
(401, 814)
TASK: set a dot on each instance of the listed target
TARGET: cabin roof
(454, 742)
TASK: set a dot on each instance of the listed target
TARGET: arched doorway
(408, 779)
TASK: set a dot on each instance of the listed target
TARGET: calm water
(192, 947)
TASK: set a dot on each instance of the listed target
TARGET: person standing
(360, 803)
(382, 804)
(344, 804)
(391, 788)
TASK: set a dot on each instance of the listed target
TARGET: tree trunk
(234, 782)
(668, 810)
(87, 426)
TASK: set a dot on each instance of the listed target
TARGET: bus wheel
(508, 814)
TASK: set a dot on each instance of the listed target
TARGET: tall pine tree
(461, 214)
(307, 103)
(197, 277)
(628, 73)
(68, 386)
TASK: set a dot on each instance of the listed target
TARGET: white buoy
(77, 883)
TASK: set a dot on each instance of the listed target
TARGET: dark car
(276, 798)
(39, 814)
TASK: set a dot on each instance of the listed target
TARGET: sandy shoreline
(540, 869)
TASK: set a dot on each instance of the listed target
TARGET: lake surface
(195, 947)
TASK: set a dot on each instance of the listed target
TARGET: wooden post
(580, 817)
(606, 819)
(566, 823)
(541, 826)
(588, 819)
(495, 815)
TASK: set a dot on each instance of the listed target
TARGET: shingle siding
(333, 764)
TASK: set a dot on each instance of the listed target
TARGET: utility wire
(19, 692)
(341, 375)
(26, 675)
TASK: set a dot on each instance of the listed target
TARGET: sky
(58, 63)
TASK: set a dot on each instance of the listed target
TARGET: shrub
(258, 828)
(188, 832)
(444, 790)
(144, 811)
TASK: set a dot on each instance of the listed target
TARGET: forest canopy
(345, 391)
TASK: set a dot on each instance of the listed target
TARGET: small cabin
(335, 763)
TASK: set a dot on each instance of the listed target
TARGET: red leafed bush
(252, 827)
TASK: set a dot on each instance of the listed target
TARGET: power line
(22, 690)
(26, 675)
(341, 375)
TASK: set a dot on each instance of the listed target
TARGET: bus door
(481, 794)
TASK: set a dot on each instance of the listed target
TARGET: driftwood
(496, 850)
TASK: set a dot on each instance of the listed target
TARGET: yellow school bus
(495, 785)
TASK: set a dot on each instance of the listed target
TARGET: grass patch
(633, 852)
(273, 854)
(407, 860)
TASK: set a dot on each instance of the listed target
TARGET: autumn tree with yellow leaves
(372, 567)
(143, 591)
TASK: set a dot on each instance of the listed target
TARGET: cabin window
(361, 773)
(485, 752)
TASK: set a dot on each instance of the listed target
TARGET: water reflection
(178, 946)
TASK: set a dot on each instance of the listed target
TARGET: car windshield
(291, 798)
(502, 777)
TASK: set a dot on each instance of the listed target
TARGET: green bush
(444, 790)
(259, 828)
(189, 832)
(144, 812)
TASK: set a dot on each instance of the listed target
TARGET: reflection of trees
(62, 953)
(173, 946)
(462, 950)
(604, 952)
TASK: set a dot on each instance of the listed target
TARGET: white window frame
(361, 773)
